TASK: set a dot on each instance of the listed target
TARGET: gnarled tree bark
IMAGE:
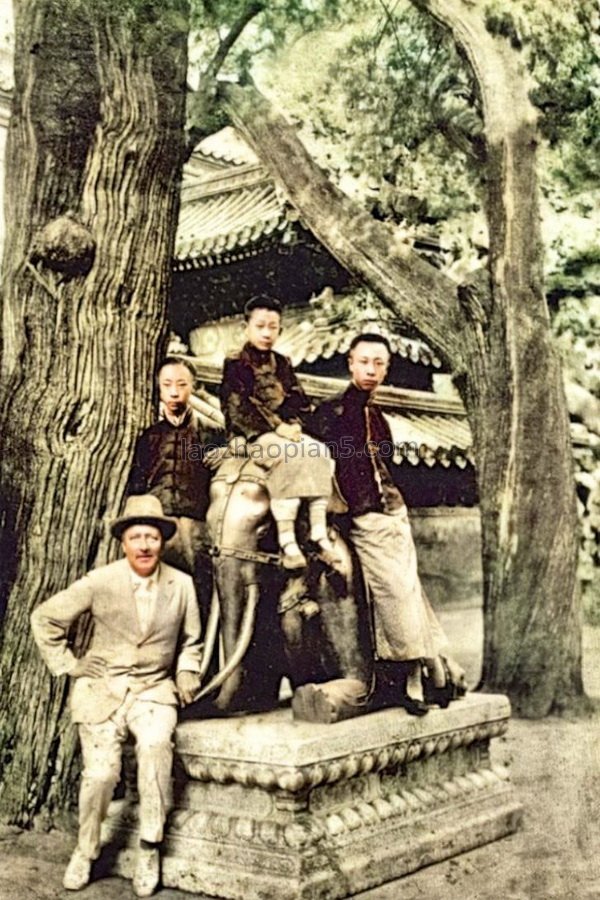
(532, 643)
(499, 346)
(97, 132)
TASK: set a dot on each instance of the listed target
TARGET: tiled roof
(227, 146)
(418, 437)
(431, 438)
(317, 331)
(229, 204)
(226, 225)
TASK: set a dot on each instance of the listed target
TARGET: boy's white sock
(317, 514)
(285, 512)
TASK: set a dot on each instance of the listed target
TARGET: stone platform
(267, 808)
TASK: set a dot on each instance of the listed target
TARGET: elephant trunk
(233, 661)
(212, 630)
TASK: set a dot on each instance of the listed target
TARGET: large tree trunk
(499, 347)
(97, 131)
(532, 644)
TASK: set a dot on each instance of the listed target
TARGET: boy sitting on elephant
(264, 407)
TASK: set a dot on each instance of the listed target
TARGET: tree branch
(201, 102)
(390, 21)
(232, 36)
(416, 291)
(459, 138)
(502, 79)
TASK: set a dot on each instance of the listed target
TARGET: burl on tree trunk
(498, 345)
(94, 157)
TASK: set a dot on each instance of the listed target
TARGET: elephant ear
(332, 701)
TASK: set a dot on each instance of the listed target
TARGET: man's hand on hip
(91, 666)
(188, 685)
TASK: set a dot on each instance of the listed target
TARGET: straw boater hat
(144, 509)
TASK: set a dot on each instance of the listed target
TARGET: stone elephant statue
(309, 627)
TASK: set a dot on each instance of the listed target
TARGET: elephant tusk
(212, 627)
(240, 648)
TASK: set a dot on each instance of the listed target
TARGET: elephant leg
(345, 625)
(343, 697)
(344, 618)
(340, 622)
(332, 701)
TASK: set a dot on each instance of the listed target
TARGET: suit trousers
(152, 725)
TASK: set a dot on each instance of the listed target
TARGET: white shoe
(77, 873)
(147, 872)
(292, 557)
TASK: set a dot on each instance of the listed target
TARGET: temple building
(238, 236)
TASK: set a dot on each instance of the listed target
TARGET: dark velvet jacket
(168, 463)
(259, 391)
(360, 441)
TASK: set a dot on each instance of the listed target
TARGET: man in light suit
(143, 659)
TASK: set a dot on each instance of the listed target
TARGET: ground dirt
(555, 767)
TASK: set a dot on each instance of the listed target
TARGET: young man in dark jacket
(169, 463)
(359, 439)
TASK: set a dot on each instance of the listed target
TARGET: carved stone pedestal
(272, 808)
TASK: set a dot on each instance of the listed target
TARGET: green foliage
(500, 21)
(562, 44)
(576, 325)
(390, 109)
(227, 39)
(397, 112)
(268, 27)
(565, 54)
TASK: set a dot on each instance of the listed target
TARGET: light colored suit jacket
(141, 662)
